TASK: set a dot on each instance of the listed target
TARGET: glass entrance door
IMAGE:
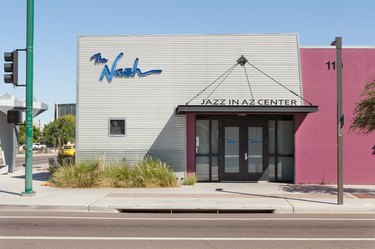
(231, 168)
(242, 150)
(254, 155)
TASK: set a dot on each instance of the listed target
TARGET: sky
(58, 23)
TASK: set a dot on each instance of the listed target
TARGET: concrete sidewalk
(213, 197)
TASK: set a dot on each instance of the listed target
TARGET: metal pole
(29, 99)
(340, 123)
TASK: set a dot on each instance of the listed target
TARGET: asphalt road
(163, 231)
(37, 159)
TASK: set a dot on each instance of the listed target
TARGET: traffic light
(11, 68)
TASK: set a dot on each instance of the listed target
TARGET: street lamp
(340, 121)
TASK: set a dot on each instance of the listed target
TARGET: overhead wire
(203, 90)
(231, 69)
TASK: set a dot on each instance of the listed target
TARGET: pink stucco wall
(315, 138)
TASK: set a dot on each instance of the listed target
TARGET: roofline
(182, 35)
(333, 47)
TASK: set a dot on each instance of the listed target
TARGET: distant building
(64, 109)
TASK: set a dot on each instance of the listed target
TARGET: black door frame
(243, 124)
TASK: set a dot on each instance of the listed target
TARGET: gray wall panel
(189, 64)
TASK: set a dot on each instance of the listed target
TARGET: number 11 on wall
(332, 64)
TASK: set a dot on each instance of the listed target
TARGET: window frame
(276, 155)
(210, 155)
(109, 127)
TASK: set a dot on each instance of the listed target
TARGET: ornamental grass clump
(62, 161)
(115, 176)
(80, 175)
(146, 173)
(152, 173)
(190, 179)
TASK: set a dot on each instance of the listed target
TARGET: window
(117, 127)
(207, 149)
(202, 137)
(281, 150)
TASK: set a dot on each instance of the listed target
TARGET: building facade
(65, 109)
(224, 107)
(315, 135)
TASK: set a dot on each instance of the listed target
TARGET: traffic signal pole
(29, 99)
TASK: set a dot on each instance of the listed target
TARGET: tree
(22, 134)
(364, 112)
(49, 132)
(60, 131)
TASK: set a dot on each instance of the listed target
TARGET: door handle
(246, 157)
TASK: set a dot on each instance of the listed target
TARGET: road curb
(44, 207)
(170, 209)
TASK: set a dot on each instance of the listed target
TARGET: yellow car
(68, 150)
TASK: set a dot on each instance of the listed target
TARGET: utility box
(14, 117)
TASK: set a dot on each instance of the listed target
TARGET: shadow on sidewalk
(321, 189)
(41, 176)
(278, 197)
(11, 193)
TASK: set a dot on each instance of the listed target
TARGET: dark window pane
(117, 127)
(271, 169)
(215, 137)
(232, 150)
(271, 137)
(215, 168)
(285, 169)
(202, 168)
(255, 150)
(285, 137)
(202, 139)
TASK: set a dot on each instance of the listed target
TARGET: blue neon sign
(120, 72)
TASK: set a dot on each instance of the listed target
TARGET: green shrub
(189, 180)
(62, 161)
(152, 173)
(53, 165)
(146, 173)
(115, 176)
(80, 175)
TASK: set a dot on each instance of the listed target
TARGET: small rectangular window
(117, 127)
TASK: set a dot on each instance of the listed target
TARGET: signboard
(120, 72)
(249, 102)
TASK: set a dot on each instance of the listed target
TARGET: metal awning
(218, 109)
(8, 102)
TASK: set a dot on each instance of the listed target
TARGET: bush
(189, 180)
(146, 173)
(151, 173)
(81, 175)
(62, 161)
(115, 176)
